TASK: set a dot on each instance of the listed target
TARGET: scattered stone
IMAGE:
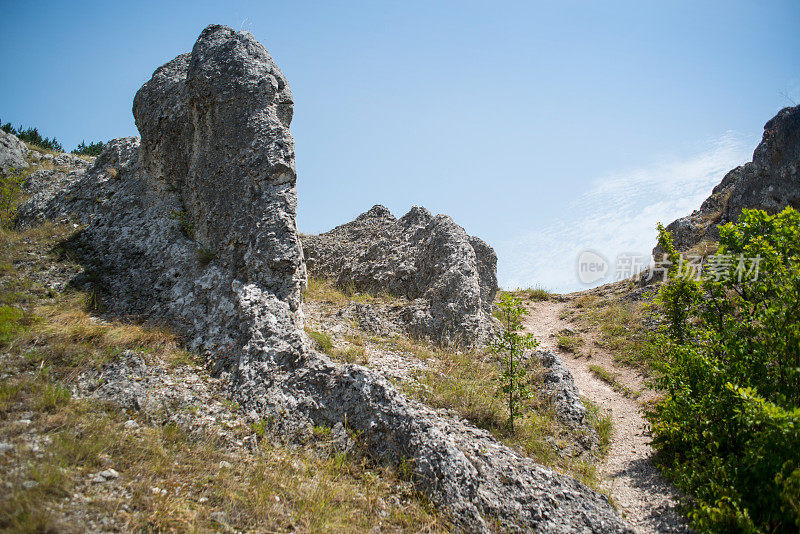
(220, 517)
(109, 474)
(104, 476)
(130, 424)
(225, 465)
(29, 484)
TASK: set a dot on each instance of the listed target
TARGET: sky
(545, 128)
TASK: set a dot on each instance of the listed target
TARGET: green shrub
(510, 345)
(92, 149)
(728, 428)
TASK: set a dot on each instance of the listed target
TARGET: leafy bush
(510, 344)
(92, 149)
(32, 136)
(728, 428)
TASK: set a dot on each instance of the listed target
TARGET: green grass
(322, 340)
(10, 196)
(569, 341)
(620, 328)
(612, 380)
(12, 321)
(602, 422)
(354, 352)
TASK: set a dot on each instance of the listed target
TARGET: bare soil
(646, 500)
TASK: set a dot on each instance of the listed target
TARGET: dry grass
(172, 480)
(703, 249)
(536, 294)
(176, 481)
(619, 326)
(466, 382)
(42, 150)
(324, 290)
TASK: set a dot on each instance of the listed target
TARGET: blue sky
(542, 127)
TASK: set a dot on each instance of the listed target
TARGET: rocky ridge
(769, 182)
(195, 226)
(449, 276)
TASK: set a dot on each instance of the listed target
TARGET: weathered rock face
(566, 398)
(214, 173)
(215, 127)
(770, 182)
(12, 154)
(419, 256)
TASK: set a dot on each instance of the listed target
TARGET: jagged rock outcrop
(451, 276)
(770, 182)
(566, 398)
(13, 154)
(194, 226)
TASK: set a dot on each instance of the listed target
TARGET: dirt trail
(645, 499)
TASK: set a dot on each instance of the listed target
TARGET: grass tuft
(612, 380)
(569, 341)
(322, 340)
(327, 291)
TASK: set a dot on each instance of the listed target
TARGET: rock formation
(770, 182)
(194, 226)
(12, 154)
(566, 398)
(450, 275)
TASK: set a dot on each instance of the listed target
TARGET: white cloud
(618, 215)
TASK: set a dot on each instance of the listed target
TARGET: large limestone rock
(13, 153)
(419, 256)
(770, 182)
(194, 226)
